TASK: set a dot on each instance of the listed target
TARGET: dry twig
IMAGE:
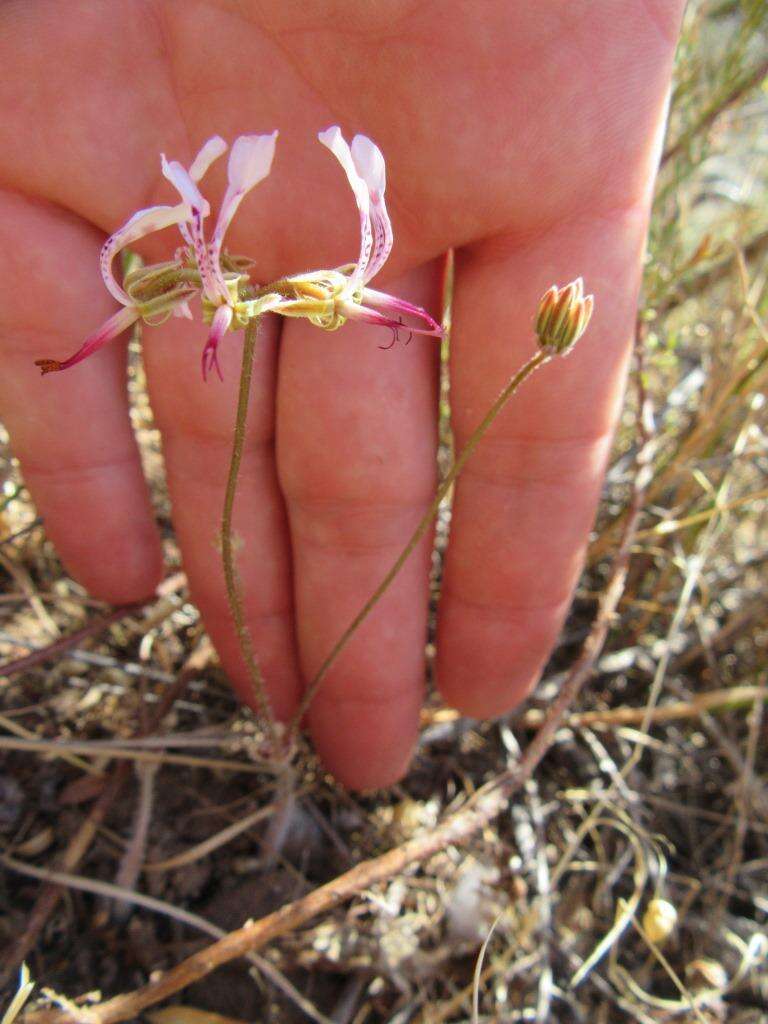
(66, 643)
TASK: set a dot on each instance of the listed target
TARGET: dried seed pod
(659, 920)
(703, 974)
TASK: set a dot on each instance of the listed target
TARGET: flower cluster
(201, 266)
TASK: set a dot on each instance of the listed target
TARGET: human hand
(525, 136)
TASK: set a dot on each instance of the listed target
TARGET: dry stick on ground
(128, 898)
(457, 829)
(26, 734)
(50, 894)
(22, 531)
(729, 698)
(132, 859)
(26, 585)
(66, 643)
(54, 748)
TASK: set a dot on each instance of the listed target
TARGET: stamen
(210, 360)
(220, 324)
(386, 348)
(48, 365)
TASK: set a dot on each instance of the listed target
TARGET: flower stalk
(577, 312)
(534, 363)
(231, 576)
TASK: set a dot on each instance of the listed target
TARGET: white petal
(334, 140)
(250, 160)
(180, 178)
(369, 164)
(143, 222)
(210, 272)
(211, 150)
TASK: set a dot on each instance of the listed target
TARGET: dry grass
(128, 769)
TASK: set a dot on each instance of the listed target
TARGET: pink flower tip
(222, 318)
(210, 360)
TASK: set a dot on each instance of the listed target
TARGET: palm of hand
(523, 139)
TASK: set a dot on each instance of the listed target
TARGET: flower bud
(563, 316)
(659, 920)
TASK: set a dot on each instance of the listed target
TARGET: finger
(197, 419)
(526, 501)
(72, 432)
(356, 454)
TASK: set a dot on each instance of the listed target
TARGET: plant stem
(234, 589)
(542, 356)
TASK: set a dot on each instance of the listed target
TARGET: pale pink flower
(250, 161)
(329, 298)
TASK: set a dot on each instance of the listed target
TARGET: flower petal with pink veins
(142, 223)
(335, 141)
(369, 164)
